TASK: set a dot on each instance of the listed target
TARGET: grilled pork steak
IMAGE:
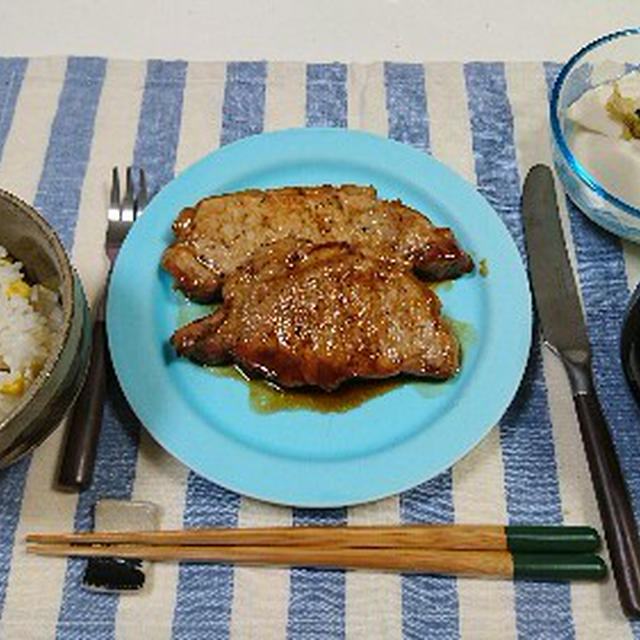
(305, 314)
(220, 232)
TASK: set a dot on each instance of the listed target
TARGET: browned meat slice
(220, 232)
(304, 314)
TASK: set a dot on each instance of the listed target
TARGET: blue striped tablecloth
(64, 122)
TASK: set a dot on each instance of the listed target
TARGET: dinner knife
(565, 333)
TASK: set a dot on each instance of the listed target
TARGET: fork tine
(127, 203)
(141, 200)
(114, 199)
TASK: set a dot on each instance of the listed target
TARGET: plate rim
(126, 374)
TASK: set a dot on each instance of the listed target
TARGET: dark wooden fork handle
(83, 427)
(611, 492)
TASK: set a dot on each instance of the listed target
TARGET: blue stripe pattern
(406, 101)
(204, 595)
(429, 603)
(12, 479)
(114, 472)
(12, 72)
(205, 591)
(61, 182)
(12, 482)
(161, 114)
(603, 281)
(317, 597)
(532, 491)
(430, 607)
(326, 95)
(60, 187)
(244, 100)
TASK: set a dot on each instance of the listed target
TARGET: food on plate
(605, 135)
(30, 319)
(302, 313)
(319, 285)
(625, 110)
(216, 235)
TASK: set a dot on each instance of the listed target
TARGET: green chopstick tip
(558, 566)
(552, 539)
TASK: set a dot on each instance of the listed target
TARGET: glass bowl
(30, 239)
(603, 60)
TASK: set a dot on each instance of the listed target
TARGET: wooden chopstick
(436, 561)
(547, 539)
(551, 553)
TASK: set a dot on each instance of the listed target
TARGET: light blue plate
(300, 457)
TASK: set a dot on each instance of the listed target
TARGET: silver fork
(122, 214)
(83, 428)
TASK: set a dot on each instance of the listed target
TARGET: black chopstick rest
(114, 574)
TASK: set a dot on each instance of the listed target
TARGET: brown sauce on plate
(266, 397)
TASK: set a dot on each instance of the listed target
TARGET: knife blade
(565, 333)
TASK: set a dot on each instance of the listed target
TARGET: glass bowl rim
(558, 135)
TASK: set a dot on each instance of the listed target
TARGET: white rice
(30, 317)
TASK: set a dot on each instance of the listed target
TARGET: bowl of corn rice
(44, 330)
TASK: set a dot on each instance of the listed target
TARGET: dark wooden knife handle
(83, 427)
(613, 499)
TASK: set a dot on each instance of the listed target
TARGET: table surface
(311, 30)
(64, 122)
